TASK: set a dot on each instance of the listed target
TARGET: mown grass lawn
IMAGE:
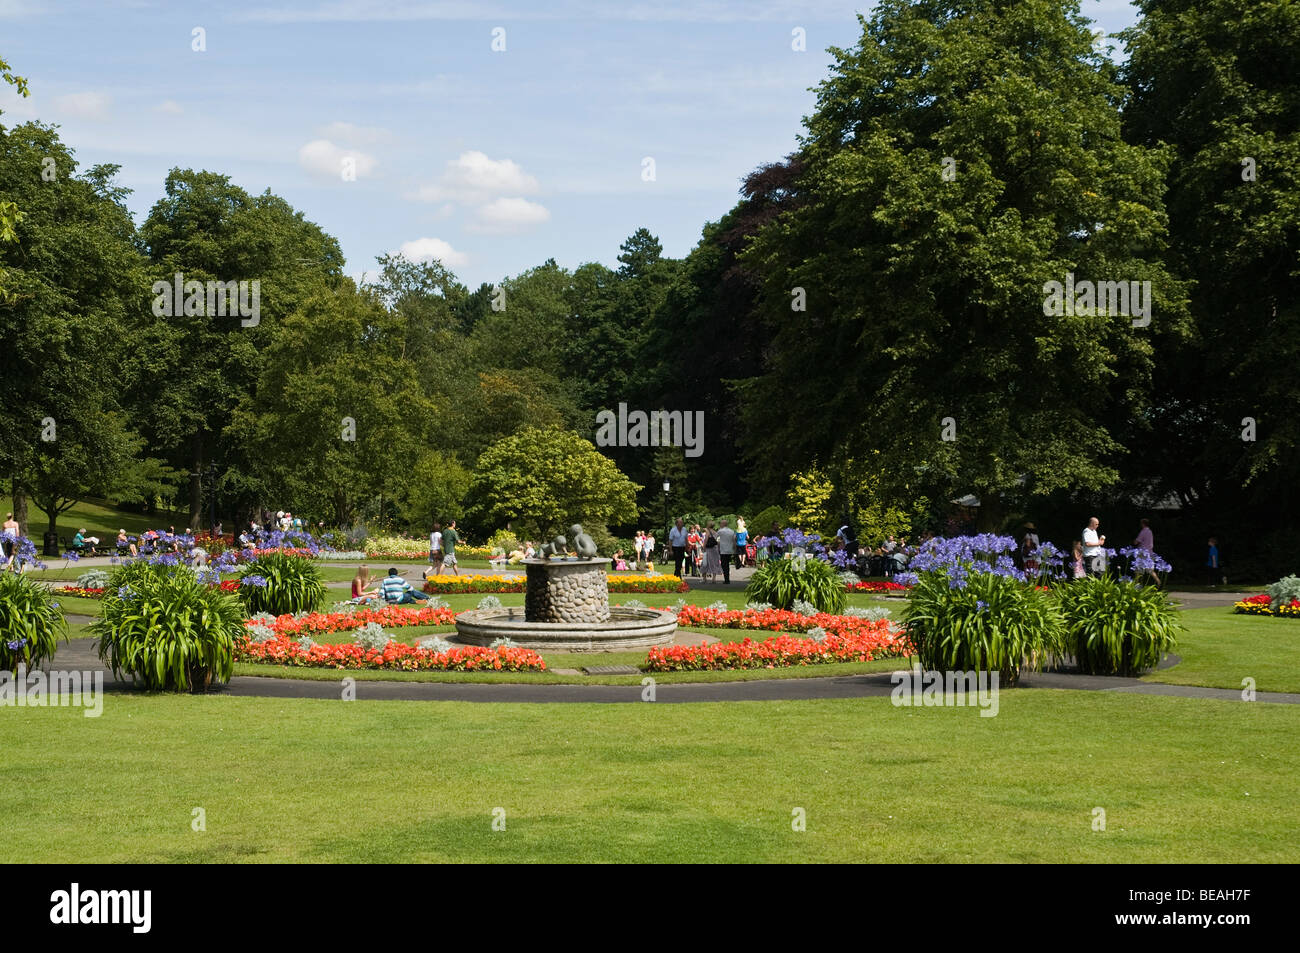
(1181, 781)
(1220, 649)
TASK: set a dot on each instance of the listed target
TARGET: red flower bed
(79, 591)
(395, 655)
(876, 587)
(777, 620)
(389, 617)
(782, 651)
(1262, 604)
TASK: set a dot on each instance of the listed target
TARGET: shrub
(92, 579)
(872, 613)
(1285, 591)
(983, 622)
(1115, 627)
(504, 540)
(166, 629)
(434, 644)
(371, 636)
(287, 585)
(782, 581)
(761, 524)
(30, 620)
(487, 602)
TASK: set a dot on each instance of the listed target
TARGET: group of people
(707, 552)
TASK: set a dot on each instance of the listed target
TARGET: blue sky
(491, 160)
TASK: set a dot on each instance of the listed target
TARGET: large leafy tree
(10, 215)
(925, 291)
(74, 277)
(545, 480)
(1218, 83)
(337, 416)
(194, 370)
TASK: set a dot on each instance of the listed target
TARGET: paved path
(80, 655)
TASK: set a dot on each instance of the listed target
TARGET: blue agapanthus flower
(257, 582)
(16, 644)
(125, 594)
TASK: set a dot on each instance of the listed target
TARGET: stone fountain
(566, 608)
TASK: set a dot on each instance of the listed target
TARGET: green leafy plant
(166, 629)
(783, 581)
(292, 584)
(30, 622)
(1285, 591)
(1115, 627)
(988, 623)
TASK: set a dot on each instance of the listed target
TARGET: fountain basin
(625, 629)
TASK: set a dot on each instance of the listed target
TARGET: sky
(491, 136)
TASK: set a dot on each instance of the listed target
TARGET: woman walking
(742, 541)
(712, 556)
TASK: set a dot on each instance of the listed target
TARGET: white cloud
(433, 249)
(323, 158)
(170, 106)
(355, 135)
(509, 215)
(88, 105)
(474, 179)
(15, 106)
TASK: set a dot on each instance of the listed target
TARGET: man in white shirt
(649, 551)
(435, 545)
(726, 550)
(1093, 554)
(677, 540)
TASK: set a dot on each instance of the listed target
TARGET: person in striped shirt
(395, 589)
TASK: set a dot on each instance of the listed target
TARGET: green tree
(546, 480)
(207, 228)
(74, 275)
(961, 156)
(1217, 82)
(10, 215)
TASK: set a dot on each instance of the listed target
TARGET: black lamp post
(667, 528)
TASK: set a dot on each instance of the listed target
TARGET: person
(649, 552)
(1092, 547)
(529, 549)
(1213, 568)
(1029, 554)
(80, 540)
(775, 545)
(742, 544)
(435, 545)
(449, 540)
(1076, 563)
(727, 539)
(396, 590)
(677, 541)
(694, 541)
(617, 562)
(124, 543)
(1145, 540)
(9, 540)
(711, 567)
(360, 583)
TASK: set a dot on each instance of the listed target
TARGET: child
(1079, 571)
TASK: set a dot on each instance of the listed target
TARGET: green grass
(100, 520)
(1181, 781)
(1221, 648)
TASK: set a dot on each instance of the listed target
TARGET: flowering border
(446, 585)
(1262, 604)
(397, 656)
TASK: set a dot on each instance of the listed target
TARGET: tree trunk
(20, 507)
(196, 484)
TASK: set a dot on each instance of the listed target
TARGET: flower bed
(444, 585)
(397, 656)
(389, 617)
(877, 587)
(80, 591)
(1262, 604)
(421, 553)
(782, 620)
(876, 640)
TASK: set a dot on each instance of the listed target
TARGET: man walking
(435, 546)
(449, 540)
(726, 550)
(677, 541)
(1093, 554)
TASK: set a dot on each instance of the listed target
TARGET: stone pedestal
(566, 590)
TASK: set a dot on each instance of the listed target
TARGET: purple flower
(258, 582)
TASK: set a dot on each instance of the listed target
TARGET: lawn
(1221, 648)
(1181, 781)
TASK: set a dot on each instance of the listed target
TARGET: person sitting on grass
(397, 591)
(361, 588)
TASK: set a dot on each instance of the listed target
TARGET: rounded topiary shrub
(782, 582)
(281, 585)
(167, 629)
(93, 579)
(1115, 627)
(982, 622)
(30, 622)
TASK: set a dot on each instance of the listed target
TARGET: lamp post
(667, 487)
